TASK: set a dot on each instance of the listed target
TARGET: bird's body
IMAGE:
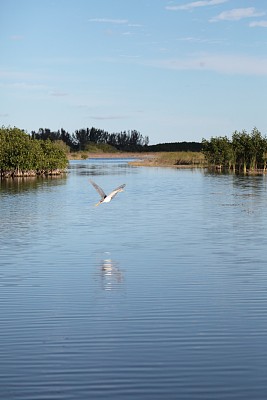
(106, 198)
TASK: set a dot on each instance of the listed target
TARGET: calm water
(160, 294)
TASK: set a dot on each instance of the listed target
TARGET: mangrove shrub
(20, 155)
(243, 152)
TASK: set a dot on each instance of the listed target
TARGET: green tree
(243, 150)
(258, 150)
(15, 149)
(53, 157)
(218, 152)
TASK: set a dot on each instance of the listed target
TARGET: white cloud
(109, 21)
(195, 4)
(262, 24)
(236, 14)
(224, 64)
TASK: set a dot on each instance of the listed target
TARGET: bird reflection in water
(111, 275)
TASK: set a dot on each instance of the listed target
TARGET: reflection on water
(110, 273)
(162, 294)
(243, 192)
(100, 166)
(21, 184)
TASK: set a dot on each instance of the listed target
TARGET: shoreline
(153, 159)
(79, 156)
(138, 159)
(156, 160)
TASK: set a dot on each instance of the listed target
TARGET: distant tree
(175, 146)
(45, 134)
(126, 141)
(67, 139)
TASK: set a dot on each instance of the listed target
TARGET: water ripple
(160, 294)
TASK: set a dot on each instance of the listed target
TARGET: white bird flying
(106, 198)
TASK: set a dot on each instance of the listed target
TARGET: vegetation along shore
(20, 155)
(177, 159)
(48, 153)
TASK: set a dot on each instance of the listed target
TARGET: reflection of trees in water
(99, 167)
(247, 193)
(111, 275)
(22, 184)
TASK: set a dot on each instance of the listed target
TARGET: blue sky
(173, 70)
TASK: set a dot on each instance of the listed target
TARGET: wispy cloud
(16, 37)
(108, 117)
(236, 14)
(129, 56)
(109, 21)
(26, 86)
(11, 74)
(223, 64)
(58, 93)
(195, 4)
(190, 39)
(135, 25)
(262, 24)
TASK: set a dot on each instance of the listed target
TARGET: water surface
(161, 293)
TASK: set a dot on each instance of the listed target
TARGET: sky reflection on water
(161, 293)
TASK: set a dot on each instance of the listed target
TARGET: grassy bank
(83, 155)
(179, 159)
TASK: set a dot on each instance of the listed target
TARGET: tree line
(44, 152)
(244, 151)
(81, 139)
(176, 146)
(21, 155)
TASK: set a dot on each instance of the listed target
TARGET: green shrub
(20, 154)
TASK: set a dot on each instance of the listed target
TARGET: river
(159, 294)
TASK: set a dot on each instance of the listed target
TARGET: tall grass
(181, 158)
(176, 158)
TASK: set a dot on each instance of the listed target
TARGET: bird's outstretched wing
(115, 191)
(98, 189)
